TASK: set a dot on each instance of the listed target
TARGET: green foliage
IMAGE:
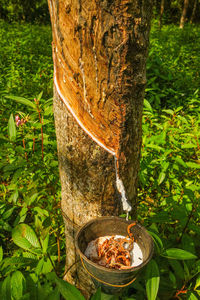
(24, 10)
(26, 61)
(11, 128)
(173, 67)
(31, 227)
(24, 237)
(175, 253)
(169, 186)
(68, 291)
(30, 233)
(152, 280)
(97, 295)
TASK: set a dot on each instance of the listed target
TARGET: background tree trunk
(162, 8)
(184, 13)
(193, 11)
(87, 172)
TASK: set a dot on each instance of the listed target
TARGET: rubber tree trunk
(184, 13)
(111, 38)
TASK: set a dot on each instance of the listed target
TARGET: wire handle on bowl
(107, 283)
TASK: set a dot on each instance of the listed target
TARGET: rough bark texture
(184, 13)
(111, 39)
(88, 185)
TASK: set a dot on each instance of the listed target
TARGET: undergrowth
(32, 255)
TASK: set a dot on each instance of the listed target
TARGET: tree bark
(162, 7)
(110, 40)
(184, 13)
(193, 11)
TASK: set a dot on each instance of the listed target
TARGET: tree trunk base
(88, 187)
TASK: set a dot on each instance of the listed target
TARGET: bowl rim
(129, 270)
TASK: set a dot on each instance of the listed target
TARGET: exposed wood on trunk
(184, 13)
(102, 47)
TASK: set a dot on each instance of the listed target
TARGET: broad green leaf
(18, 285)
(6, 289)
(54, 295)
(188, 146)
(21, 100)
(42, 291)
(161, 177)
(38, 269)
(192, 296)
(24, 237)
(157, 241)
(107, 297)
(40, 95)
(8, 213)
(21, 216)
(193, 165)
(1, 254)
(47, 266)
(152, 280)
(45, 243)
(26, 297)
(6, 226)
(187, 242)
(155, 147)
(14, 166)
(180, 161)
(161, 217)
(12, 261)
(51, 276)
(168, 111)
(186, 271)
(192, 187)
(97, 295)
(32, 286)
(165, 166)
(30, 199)
(177, 268)
(175, 253)
(197, 282)
(14, 196)
(172, 278)
(47, 222)
(68, 291)
(29, 255)
(12, 129)
(147, 105)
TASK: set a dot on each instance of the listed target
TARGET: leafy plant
(32, 250)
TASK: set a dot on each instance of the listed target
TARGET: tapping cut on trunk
(87, 75)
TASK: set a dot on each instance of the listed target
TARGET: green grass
(168, 191)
